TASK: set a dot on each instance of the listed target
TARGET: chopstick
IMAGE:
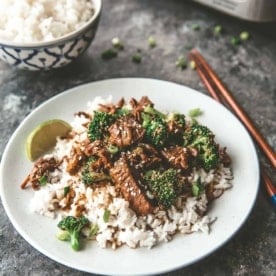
(271, 189)
(220, 93)
(231, 101)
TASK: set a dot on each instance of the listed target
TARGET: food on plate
(134, 174)
(42, 20)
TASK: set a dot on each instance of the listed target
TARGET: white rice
(124, 227)
(42, 20)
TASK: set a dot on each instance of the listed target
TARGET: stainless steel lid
(252, 10)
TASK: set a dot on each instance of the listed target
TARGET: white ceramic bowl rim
(14, 44)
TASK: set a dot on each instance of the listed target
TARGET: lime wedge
(43, 138)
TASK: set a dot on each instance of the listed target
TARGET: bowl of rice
(45, 34)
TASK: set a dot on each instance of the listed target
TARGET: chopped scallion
(109, 54)
(195, 112)
(188, 47)
(63, 235)
(106, 215)
(117, 43)
(43, 180)
(66, 190)
(137, 58)
(181, 62)
(151, 42)
(93, 230)
(217, 30)
(112, 149)
(192, 65)
(197, 188)
(235, 41)
(195, 27)
(244, 36)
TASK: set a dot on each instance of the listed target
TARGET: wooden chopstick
(229, 98)
(271, 189)
(214, 90)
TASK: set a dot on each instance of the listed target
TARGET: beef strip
(75, 160)
(138, 106)
(42, 167)
(144, 156)
(112, 108)
(177, 156)
(99, 150)
(124, 179)
(125, 132)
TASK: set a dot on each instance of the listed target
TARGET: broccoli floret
(155, 125)
(202, 139)
(99, 125)
(156, 131)
(89, 176)
(123, 111)
(178, 118)
(163, 185)
(149, 109)
(71, 229)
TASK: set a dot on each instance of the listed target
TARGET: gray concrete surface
(249, 70)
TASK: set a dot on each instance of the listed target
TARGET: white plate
(231, 209)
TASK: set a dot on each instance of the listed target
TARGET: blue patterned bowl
(55, 53)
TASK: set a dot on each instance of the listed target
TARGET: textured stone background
(248, 69)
